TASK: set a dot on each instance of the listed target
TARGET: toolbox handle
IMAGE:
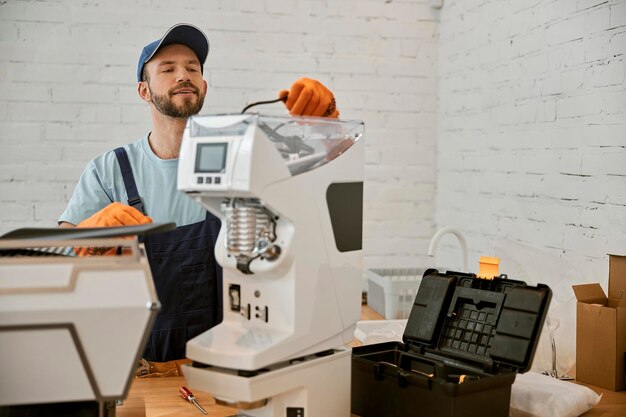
(408, 360)
(378, 371)
(420, 379)
(410, 365)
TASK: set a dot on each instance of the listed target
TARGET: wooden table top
(158, 397)
(612, 404)
(152, 397)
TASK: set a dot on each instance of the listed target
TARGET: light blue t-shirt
(101, 184)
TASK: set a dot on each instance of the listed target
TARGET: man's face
(174, 81)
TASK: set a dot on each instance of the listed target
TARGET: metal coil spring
(245, 225)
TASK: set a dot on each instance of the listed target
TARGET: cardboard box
(601, 329)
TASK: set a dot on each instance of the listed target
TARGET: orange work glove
(115, 214)
(309, 97)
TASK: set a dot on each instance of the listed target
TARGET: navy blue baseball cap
(182, 33)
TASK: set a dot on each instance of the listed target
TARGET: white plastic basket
(391, 292)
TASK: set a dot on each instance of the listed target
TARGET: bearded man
(136, 184)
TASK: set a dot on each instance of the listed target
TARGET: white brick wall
(68, 93)
(532, 126)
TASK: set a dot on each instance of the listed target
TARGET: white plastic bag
(536, 395)
(534, 266)
(370, 332)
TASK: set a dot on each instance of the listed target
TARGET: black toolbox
(464, 342)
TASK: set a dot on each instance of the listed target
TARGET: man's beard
(166, 105)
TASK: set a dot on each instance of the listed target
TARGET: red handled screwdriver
(188, 395)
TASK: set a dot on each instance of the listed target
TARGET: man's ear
(205, 86)
(144, 91)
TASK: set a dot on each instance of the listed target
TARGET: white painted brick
(48, 212)
(99, 132)
(588, 4)
(241, 79)
(404, 155)
(280, 43)
(32, 191)
(243, 6)
(55, 171)
(519, 23)
(44, 12)
(532, 41)
(13, 171)
(344, 66)
(17, 52)
(547, 12)
(46, 73)
(423, 173)
(566, 8)
(519, 5)
(59, 131)
(83, 33)
(86, 150)
(568, 55)
(579, 106)
(318, 45)
(617, 45)
(137, 115)
(100, 114)
(615, 102)
(26, 92)
(287, 7)
(43, 112)
(116, 74)
(127, 95)
(572, 80)
(597, 19)
(20, 151)
(84, 94)
(618, 15)
(9, 32)
(12, 131)
(608, 73)
(411, 11)
(367, 9)
(402, 192)
(7, 226)
(43, 33)
(400, 228)
(565, 30)
(609, 162)
(14, 211)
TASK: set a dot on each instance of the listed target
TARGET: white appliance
(289, 192)
(72, 328)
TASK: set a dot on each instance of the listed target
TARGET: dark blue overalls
(187, 278)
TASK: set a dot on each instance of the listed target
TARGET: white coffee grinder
(289, 192)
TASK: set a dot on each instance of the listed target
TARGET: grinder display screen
(211, 157)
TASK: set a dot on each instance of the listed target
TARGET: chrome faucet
(444, 231)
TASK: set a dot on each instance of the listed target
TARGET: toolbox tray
(465, 340)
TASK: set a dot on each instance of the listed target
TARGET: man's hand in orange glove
(113, 215)
(309, 97)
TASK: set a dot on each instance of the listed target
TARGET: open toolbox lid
(493, 325)
(60, 233)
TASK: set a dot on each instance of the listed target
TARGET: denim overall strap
(129, 180)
